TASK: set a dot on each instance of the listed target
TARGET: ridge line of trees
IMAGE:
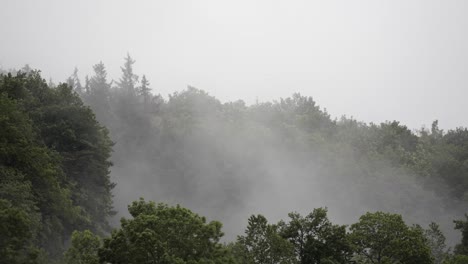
(159, 233)
(55, 159)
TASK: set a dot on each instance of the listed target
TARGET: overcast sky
(375, 60)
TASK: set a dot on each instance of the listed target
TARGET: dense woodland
(58, 144)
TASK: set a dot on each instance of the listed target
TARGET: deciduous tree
(385, 238)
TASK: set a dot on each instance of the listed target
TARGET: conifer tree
(144, 90)
(128, 80)
(74, 82)
(99, 94)
(86, 87)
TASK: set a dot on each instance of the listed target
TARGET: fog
(228, 161)
(376, 61)
(372, 60)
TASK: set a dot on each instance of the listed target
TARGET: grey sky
(374, 60)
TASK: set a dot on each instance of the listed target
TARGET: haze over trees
(192, 149)
(383, 184)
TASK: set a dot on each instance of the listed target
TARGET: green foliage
(74, 82)
(436, 241)
(462, 225)
(54, 173)
(84, 248)
(99, 94)
(316, 239)
(129, 79)
(70, 129)
(385, 238)
(457, 259)
(144, 90)
(461, 250)
(16, 232)
(54, 165)
(263, 244)
(193, 137)
(32, 175)
(164, 234)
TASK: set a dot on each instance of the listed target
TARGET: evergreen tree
(74, 82)
(100, 94)
(128, 80)
(86, 87)
(144, 90)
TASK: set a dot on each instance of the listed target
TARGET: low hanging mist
(230, 160)
(76, 156)
(243, 132)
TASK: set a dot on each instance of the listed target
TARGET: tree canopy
(164, 234)
(54, 167)
(56, 142)
(385, 238)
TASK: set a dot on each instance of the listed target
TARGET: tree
(164, 234)
(315, 238)
(54, 167)
(74, 82)
(436, 241)
(84, 248)
(16, 233)
(71, 129)
(144, 90)
(262, 244)
(86, 87)
(457, 259)
(129, 79)
(99, 94)
(462, 248)
(385, 238)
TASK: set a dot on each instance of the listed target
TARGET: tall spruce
(129, 80)
(74, 82)
(144, 90)
(100, 94)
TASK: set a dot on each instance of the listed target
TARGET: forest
(100, 171)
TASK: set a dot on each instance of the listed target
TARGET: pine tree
(78, 87)
(51, 83)
(99, 94)
(86, 87)
(74, 82)
(128, 80)
(144, 90)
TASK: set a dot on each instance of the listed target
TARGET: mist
(266, 107)
(229, 161)
(393, 60)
